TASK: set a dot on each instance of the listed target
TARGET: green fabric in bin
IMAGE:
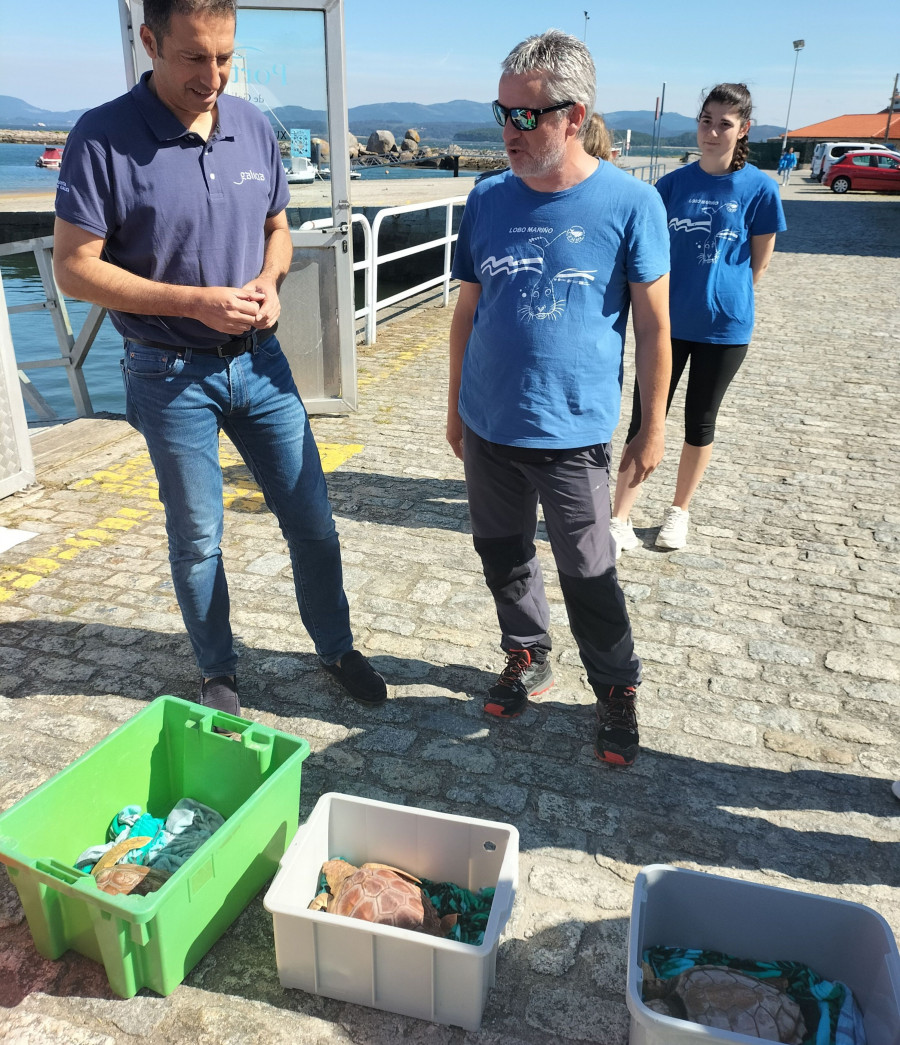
(168, 750)
(473, 909)
(829, 1010)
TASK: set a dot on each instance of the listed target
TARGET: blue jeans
(179, 400)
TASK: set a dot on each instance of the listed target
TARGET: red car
(875, 171)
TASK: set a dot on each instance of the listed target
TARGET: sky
(67, 54)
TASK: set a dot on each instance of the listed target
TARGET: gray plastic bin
(837, 939)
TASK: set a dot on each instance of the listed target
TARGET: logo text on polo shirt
(250, 176)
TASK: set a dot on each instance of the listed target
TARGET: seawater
(33, 333)
(18, 172)
(34, 338)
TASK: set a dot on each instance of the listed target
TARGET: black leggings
(712, 370)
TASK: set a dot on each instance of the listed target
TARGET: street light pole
(798, 47)
(586, 20)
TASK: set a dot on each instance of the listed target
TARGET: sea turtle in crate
(379, 893)
(726, 999)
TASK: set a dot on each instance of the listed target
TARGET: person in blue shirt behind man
(723, 216)
(786, 164)
(170, 212)
(550, 256)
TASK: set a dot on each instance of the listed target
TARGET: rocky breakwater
(383, 147)
(17, 137)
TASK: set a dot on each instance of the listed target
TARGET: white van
(825, 153)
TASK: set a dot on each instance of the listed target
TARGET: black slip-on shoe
(361, 681)
(221, 694)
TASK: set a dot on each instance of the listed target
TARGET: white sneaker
(673, 532)
(623, 534)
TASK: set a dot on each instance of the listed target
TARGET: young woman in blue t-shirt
(722, 218)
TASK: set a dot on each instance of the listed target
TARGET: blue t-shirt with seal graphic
(170, 206)
(711, 220)
(543, 364)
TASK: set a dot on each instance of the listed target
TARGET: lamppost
(798, 47)
(586, 20)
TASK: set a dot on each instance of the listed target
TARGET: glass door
(289, 62)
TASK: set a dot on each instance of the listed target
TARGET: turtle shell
(715, 996)
(379, 894)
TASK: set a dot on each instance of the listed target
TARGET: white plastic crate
(837, 939)
(378, 965)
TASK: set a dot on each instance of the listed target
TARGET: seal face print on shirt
(546, 294)
(714, 230)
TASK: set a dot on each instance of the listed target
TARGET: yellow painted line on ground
(25, 576)
(402, 359)
(136, 478)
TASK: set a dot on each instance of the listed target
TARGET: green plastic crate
(166, 752)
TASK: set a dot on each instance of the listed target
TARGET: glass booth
(289, 61)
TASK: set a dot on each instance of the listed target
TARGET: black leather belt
(237, 346)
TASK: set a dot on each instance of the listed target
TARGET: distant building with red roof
(856, 127)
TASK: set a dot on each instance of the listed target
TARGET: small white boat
(325, 172)
(50, 158)
(301, 171)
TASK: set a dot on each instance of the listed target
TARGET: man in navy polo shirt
(170, 212)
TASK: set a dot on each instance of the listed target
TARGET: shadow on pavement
(432, 746)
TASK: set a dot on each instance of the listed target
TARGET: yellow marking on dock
(25, 576)
(136, 478)
(402, 359)
(335, 454)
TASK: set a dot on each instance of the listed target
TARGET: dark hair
(158, 13)
(734, 96)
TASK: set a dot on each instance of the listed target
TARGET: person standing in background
(786, 164)
(723, 216)
(597, 141)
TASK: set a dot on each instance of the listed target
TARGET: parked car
(825, 153)
(877, 171)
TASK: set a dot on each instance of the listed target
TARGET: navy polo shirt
(172, 207)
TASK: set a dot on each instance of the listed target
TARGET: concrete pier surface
(363, 193)
(769, 713)
(377, 192)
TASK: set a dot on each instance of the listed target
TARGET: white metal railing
(371, 260)
(447, 241)
(650, 172)
(72, 350)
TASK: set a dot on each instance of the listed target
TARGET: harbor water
(33, 333)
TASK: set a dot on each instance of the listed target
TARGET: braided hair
(734, 96)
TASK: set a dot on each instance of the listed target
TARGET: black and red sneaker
(520, 679)
(617, 734)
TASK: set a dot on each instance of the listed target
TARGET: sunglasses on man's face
(523, 119)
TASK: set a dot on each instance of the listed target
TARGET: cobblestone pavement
(769, 712)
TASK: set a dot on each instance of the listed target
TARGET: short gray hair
(158, 13)
(571, 76)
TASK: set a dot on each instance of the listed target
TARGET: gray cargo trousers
(505, 484)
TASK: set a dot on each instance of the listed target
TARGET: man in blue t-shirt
(550, 256)
(170, 212)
